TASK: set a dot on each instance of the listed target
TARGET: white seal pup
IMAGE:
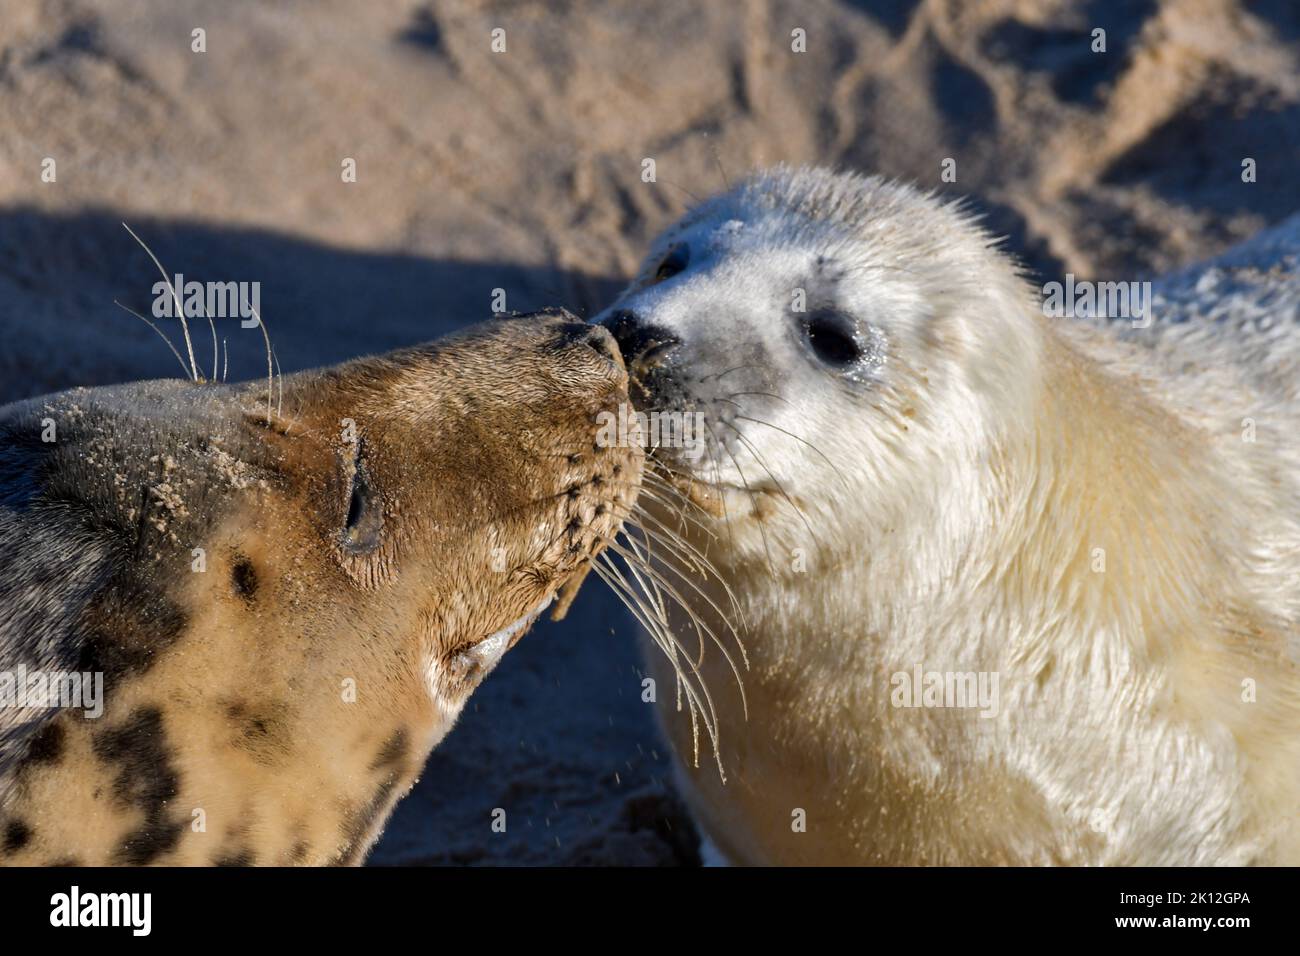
(1015, 589)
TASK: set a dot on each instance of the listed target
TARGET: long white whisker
(663, 638)
(160, 334)
(677, 547)
(180, 311)
(701, 627)
(763, 464)
(699, 693)
(797, 438)
(266, 337)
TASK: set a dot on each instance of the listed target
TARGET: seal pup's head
(289, 604)
(841, 343)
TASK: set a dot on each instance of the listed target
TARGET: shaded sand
(521, 171)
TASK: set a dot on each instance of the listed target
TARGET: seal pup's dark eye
(365, 518)
(832, 337)
(677, 259)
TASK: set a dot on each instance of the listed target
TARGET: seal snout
(584, 359)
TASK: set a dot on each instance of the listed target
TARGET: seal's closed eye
(365, 517)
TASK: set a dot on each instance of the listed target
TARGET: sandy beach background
(521, 170)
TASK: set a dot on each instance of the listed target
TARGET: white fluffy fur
(949, 517)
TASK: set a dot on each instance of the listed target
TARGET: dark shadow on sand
(59, 275)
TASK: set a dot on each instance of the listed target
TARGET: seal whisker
(771, 566)
(160, 332)
(686, 553)
(660, 580)
(717, 158)
(734, 368)
(797, 438)
(694, 198)
(694, 555)
(627, 526)
(279, 382)
(681, 509)
(661, 483)
(663, 616)
(670, 538)
(717, 478)
(659, 464)
(650, 588)
(779, 398)
(266, 337)
(677, 507)
(763, 464)
(676, 546)
(180, 311)
(659, 632)
(701, 627)
(656, 624)
(759, 458)
(700, 699)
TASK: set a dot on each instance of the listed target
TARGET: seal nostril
(595, 337)
(623, 324)
(603, 343)
(638, 341)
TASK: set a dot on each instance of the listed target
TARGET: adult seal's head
(288, 604)
(1002, 577)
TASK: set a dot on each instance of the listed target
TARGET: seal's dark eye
(365, 514)
(831, 336)
(675, 261)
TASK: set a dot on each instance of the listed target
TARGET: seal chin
(450, 680)
(485, 654)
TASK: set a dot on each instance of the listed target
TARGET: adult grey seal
(287, 604)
